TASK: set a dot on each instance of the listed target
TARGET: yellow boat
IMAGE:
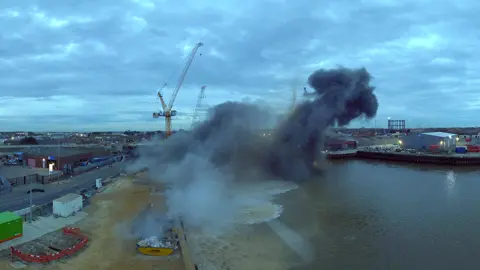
(158, 247)
(154, 251)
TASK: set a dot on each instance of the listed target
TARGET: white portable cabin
(67, 205)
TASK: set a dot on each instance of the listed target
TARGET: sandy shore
(253, 247)
(109, 214)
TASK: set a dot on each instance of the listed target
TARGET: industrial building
(57, 158)
(441, 140)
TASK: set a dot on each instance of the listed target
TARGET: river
(377, 215)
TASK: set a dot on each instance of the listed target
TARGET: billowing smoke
(205, 169)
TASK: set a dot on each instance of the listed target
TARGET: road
(19, 200)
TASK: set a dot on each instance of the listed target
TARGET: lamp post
(58, 160)
(31, 200)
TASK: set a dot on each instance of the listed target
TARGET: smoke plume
(202, 169)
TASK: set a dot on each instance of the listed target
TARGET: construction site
(106, 226)
(217, 214)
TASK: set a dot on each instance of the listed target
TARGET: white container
(67, 205)
(98, 183)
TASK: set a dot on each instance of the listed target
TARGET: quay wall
(440, 159)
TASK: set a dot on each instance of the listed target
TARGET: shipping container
(11, 226)
(473, 148)
(461, 150)
(67, 205)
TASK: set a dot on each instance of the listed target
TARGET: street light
(31, 199)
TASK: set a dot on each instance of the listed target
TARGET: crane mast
(201, 97)
(167, 110)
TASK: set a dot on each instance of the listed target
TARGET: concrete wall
(413, 141)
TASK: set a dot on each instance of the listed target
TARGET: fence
(23, 180)
(55, 255)
(5, 185)
(42, 179)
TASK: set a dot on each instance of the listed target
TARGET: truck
(11, 226)
(67, 205)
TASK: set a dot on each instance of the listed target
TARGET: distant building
(42, 157)
(445, 141)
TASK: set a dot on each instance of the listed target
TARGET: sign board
(51, 158)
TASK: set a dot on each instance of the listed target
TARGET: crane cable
(176, 71)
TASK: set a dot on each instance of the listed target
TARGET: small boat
(153, 246)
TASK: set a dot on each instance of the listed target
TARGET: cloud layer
(78, 65)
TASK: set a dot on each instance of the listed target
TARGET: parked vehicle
(34, 190)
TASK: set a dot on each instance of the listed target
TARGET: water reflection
(450, 181)
(369, 215)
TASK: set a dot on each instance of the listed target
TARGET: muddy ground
(109, 217)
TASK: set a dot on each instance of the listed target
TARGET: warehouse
(57, 157)
(444, 141)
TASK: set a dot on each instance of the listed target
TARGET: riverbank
(420, 158)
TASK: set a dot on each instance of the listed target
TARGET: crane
(201, 97)
(167, 109)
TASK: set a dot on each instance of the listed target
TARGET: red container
(473, 148)
(434, 148)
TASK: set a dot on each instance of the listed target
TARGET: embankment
(439, 159)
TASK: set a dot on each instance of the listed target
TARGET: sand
(108, 249)
(250, 247)
(253, 247)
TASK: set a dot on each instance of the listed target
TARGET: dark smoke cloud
(342, 95)
(201, 166)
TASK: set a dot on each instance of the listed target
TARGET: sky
(97, 65)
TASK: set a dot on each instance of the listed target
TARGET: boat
(152, 246)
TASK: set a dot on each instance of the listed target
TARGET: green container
(11, 226)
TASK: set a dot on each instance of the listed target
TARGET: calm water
(367, 215)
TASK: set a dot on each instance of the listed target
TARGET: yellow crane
(167, 110)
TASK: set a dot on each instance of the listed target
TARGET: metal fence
(23, 180)
(42, 179)
(5, 185)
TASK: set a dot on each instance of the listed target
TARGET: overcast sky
(97, 65)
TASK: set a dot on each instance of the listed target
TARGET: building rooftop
(56, 151)
(68, 198)
(440, 134)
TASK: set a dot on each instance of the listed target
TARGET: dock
(422, 158)
(184, 248)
